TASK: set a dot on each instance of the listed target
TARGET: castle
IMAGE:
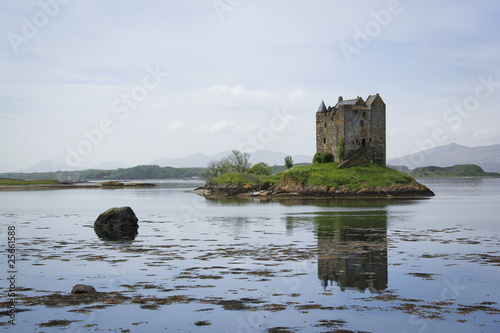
(356, 125)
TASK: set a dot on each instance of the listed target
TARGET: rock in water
(83, 289)
(119, 223)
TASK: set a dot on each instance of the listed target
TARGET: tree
(260, 169)
(217, 168)
(288, 162)
(239, 161)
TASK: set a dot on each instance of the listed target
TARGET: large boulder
(119, 223)
(83, 289)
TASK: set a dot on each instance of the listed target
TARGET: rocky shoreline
(293, 189)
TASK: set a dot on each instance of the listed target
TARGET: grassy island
(321, 180)
(461, 170)
(8, 181)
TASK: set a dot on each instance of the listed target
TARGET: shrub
(260, 169)
(317, 158)
(327, 158)
(289, 162)
(323, 158)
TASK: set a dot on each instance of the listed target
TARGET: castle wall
(357, 127)
(379, 133)
(327, 137)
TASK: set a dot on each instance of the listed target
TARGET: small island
(320, 181)
(460, 170)
(349, 162)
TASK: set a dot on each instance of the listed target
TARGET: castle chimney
(340, 99)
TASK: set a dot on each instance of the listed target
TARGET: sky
(89, 81)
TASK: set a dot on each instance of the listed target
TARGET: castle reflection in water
(353, 249)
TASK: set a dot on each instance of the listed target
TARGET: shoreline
(411, 191)
(40, 187)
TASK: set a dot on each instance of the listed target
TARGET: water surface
(256, 266)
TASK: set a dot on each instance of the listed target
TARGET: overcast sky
(86, 81)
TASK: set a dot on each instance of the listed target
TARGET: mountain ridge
(487, 157)
(191, 161)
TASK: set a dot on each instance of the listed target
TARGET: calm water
(250, 266)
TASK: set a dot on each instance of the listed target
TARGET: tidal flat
(244, 265)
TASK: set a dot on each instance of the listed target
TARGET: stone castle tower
(358, 124)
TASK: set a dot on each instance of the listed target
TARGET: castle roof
(322, 107)
(348, 102)
(372, 99)
(351, 102)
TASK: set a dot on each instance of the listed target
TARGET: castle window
(361, 123)
(324, 140)
(363, 142)
(356, 141)
(325, 125)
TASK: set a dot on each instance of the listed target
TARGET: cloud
(222, 126)
(253, 127)
(174, 126)
(236, 91)
(52, 90)
(486, 133)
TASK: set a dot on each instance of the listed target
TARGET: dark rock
(117, 224)
(120, 234)
(83, 289)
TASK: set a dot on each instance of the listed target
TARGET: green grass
(8, 181)
(372, 175)
(326, 174)
(243, 179)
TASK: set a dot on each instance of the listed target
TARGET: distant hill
(137, 172)
(462, 170)
(201, 160)
(192, 161)
(110, 165)
(487, 157)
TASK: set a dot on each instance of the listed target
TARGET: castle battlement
(356, 123)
